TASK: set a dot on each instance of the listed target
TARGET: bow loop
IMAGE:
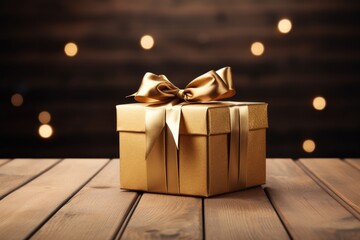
(155, 89)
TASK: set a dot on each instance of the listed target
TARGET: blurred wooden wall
(320, 56)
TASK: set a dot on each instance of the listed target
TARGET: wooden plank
(355, 162)
(23, 211)
(21, 171)
(95, 212)
(164, 216)
(307, 211)
(336, 177)
(242, 215)
(3, 161)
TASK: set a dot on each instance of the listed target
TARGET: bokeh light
(319, 103)
(71, 49)
(284, 25)
(45, 131)
(44, 117)
(309, 145)
(147, 42)
(17, 100)
(257, 48)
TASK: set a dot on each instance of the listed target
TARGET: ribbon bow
(158, 90)
(211, 86)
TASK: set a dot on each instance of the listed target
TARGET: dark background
(320, 56)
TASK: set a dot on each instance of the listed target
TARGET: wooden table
(81, 199)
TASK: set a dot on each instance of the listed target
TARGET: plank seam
(8, 160)
(328, 190)
(203, 218)
(126, 220)
(347, 162)
(278, 215)
(66, 200)
(30, 179)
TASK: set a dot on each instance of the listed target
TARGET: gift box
(192, 148)
(213, 157)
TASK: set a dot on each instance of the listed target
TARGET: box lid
(196, 119)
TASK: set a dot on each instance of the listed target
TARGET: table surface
(81, 199)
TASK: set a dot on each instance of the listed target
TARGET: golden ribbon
(160, 92)
(165, 100)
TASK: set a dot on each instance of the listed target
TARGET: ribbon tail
(154, 124)
(173, 115)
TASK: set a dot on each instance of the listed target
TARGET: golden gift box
(198, 148)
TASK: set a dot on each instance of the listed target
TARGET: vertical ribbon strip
(234, 148)
(244, 131)
(154, 124)
(239, 123)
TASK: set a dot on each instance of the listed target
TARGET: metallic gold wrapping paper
(222, 148)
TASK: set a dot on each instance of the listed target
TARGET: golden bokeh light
(147, 42)
(71, 49)
(45, 131)
(284, 25)
(17, 100)
(44, 117)
(319, 103)
(257, 48)
(309, 146)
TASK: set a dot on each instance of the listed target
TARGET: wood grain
(3, 161)
(21, 171)
(337, 177)
(95, 212)
(242, 215)
(166, 217)
(355, 162)
(23, 211)
(307, 211)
